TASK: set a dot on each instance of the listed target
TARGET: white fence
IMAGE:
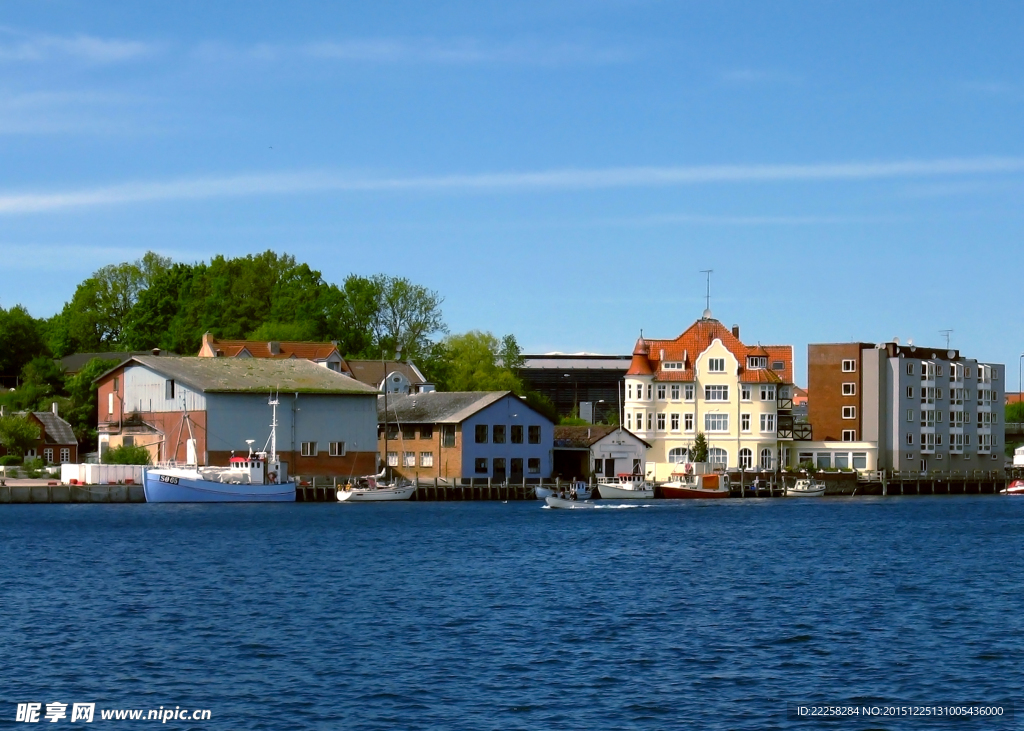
(101, 474)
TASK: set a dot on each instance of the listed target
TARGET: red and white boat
(1014, 488)
(696, 483)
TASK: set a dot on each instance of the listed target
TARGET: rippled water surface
(704, 615)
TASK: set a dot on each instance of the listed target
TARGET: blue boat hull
(164, 489)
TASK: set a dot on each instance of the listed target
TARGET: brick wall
(825, 399)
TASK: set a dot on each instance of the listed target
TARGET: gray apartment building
(926, 408)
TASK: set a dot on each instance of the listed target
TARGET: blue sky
(559, 170)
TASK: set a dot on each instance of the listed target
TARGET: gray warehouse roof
(436, 407)
(253, 375)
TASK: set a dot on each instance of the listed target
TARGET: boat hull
(692, 493)
(613, 492)
(381, 494)
(162, 488)
(817, 492)
(563, 504)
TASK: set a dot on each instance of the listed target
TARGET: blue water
(686, 615)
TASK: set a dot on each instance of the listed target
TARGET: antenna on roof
(947, 333)
(707, 295)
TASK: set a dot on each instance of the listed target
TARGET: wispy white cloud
(459, 51)
(20, 46)
(62, 111)
(756, 76)
(292, 183)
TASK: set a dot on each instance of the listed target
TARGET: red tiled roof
(695, 340)
(261, 349)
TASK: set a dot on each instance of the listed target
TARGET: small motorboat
(806, 488)
(625, 487)
(554, 501)
(1014, 488)
(580, 489)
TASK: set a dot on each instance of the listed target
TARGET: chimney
(736, 331)
(274, 347)
(156, 351)
(54, 407)
(207, 348)
(661, 354)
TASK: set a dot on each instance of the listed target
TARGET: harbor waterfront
(677, 614)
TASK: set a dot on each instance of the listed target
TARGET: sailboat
(372, 488)
(259, 477)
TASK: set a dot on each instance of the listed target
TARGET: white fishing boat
(568, 504)
(806, 488)
(368, 489)
(625, 487)
(258, 477)
(1014, 488)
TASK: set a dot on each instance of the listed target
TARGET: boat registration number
(169, 479)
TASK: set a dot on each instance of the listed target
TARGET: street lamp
(1019, 373)
(594, 415)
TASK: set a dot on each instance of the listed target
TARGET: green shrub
(33, 467)
(127, 454)
(10, 460)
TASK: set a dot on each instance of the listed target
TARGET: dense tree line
(156, 303)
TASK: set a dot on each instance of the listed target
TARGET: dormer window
(757, 362)
(672, 365)
(716, 365)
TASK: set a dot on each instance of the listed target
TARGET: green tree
(127, 454)
(18, 433)
(407, 318)
(81, 411)
(21, 340)
(473, 364)
(699, 450)
(1015, 413)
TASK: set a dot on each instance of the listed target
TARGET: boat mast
(273, 429)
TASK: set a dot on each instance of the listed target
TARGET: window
(110, 403)
(938, 393)
(427, 431)
(849, 435)
(716, 393)
(448, 435)
(824, 460)
(849, 366)
(860, 460)
(640, 421)
(767, 393)
(499, 434)
(649, 417)
(716, 365)
(598, 466)
(910, 414)
(718, 456)
(910, 369)
(169, 389)
(910, 392)
(517, 465)
(744, 422)
(480, 465)
(408, 459)
(766, 459)
(426, 459)
(481, 434)
(533, 465)
(337, 449)
(675, 392)
(910, 437)
(688, 422)
(48, 456)
(517, 434)
(629, 420)
(767, 422)
(716, 422)
(650, 388)
(629, 390)
(849, 412)
(392, 430)
(687, 392)
(534, 434)
(661, 421)
(65, 454)
(672, 365)
(499, 466)
(849, 389)
(408, 432)
(662, 390)
(675, 422)
(757, 362)
(392, 459)
(778, 365)
(745, 392)
(746, 459)
(678, 455)
(309, 449)
(928, 418)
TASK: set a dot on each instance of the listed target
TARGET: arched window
(766, 459)
(718, 456)
(746, 459)
(678, 455)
